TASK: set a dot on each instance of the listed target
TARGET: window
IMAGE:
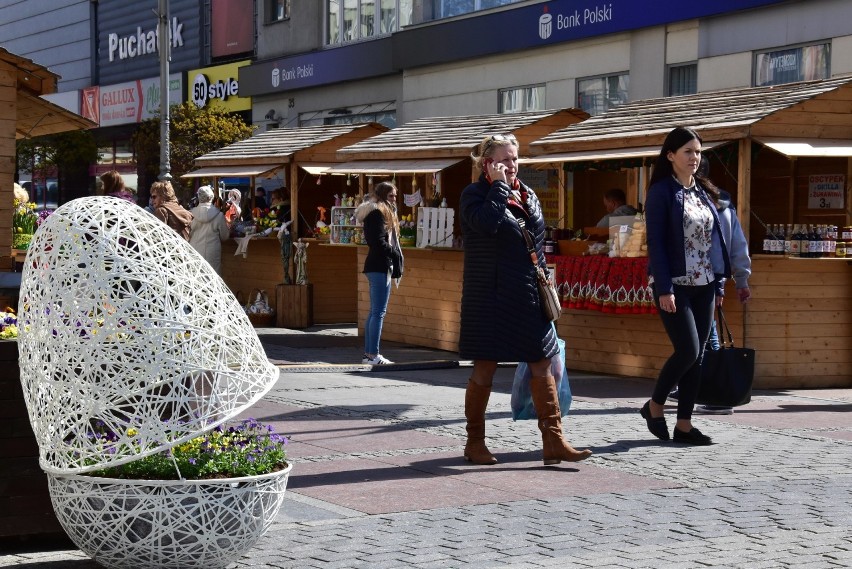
(278, 10)
(353, 20)
(450, 8)
(386, 116)
(598, 95)
(522, 99)
(683, 80)
(804, 63)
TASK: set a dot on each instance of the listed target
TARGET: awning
(609, 154)
(316, 169)
(231, 171)
(421, 166)
(809, 147)
(40, 117)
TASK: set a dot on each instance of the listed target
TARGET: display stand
(295, 305)
(343, 229)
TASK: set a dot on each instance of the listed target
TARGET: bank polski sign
(218, 85)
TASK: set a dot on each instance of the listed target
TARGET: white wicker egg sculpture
(125, 328)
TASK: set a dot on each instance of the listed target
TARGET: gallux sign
(130, 102)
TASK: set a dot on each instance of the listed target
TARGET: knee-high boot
(475, 402)
(546, 402)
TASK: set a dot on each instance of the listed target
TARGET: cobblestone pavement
(378, 480)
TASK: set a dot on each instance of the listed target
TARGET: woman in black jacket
(501, 315)
(383, 263)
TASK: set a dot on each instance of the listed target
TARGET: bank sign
(218, 86)
(542, 24)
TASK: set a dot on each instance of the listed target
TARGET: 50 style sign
(203, 91)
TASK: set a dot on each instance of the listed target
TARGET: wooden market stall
(769, 144)
(25, 507)
(432, 156)
(301, 156)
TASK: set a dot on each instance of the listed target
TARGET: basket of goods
(260, 314)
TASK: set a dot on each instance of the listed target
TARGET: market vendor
(616, 205)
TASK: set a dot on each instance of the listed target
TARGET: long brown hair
(678, 137)
(388, 209)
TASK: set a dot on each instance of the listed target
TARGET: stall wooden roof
(308, 144)
(806, 110)
(36, 116)
(448, 137)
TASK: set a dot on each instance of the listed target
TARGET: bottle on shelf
(768, 241)
(813, 237)
(796, 241)
(779, 239)
(788, 239)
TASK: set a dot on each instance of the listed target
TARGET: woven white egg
(125, 328)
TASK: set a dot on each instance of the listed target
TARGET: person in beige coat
(208, 229)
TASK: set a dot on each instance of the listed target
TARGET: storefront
(772, 149)
(429, 160)
(299, 159)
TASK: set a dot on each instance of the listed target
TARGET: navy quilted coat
(501, 318)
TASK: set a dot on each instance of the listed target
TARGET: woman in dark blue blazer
(688, 263)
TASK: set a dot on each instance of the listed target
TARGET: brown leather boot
(546, 401)
(475, 402)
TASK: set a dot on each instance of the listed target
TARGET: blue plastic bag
(522, 405)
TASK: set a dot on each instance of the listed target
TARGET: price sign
(826, 191)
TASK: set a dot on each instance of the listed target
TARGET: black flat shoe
(693, 437)
(657, 425)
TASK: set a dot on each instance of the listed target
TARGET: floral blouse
(697, 234)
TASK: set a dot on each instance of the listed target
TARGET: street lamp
(165, 55)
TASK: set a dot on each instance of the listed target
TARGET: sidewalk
(378, 480)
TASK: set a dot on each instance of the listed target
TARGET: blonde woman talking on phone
(501, 313)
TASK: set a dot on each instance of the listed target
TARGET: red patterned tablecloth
(598, 282)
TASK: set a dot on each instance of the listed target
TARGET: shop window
(450, 8)
(278, 10)
(522, 99)
(803, 63)
(599, 94)
(683, 80)
(386, 117)
(353, 20)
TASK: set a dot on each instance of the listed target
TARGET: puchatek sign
(143, 42)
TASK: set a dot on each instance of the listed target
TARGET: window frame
(376, 25)
(673, 66)
(524, 89)
(605, 77)
(798, 46)
(271, 9)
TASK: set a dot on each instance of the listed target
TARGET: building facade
(284, 63)
(417, 59)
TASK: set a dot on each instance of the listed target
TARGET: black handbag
(727, 374)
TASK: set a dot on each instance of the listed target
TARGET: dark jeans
(688, 329)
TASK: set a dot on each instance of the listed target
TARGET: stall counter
(799, 321)
(331, 269)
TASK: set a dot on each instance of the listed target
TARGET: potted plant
(24, 223)
(134, 358)
(8, 324)
(407, 231)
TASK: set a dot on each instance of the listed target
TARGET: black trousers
(688, 329)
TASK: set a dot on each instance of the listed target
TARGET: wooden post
(294, 199)
(744, 184)
(8, 122)
(294, 306)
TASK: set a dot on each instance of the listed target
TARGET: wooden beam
(744, 184)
